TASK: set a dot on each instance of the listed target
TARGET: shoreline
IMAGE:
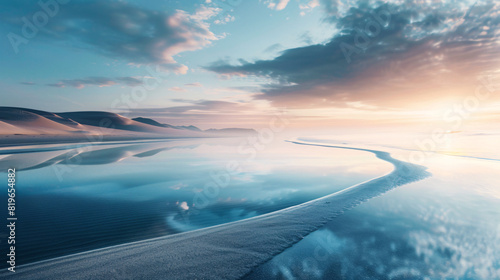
(259, 238)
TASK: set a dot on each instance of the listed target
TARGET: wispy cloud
(97, 81)
(178, 89)
(277, 5)
(274, 48)
(310, 5)
(208, 114)
(196, 84)
(130, 81)
(200, 107)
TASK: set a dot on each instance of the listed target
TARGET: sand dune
(113, 121)
(13, 129)
(155, 123)
(38, 122)
(28, 126)
(28, 122)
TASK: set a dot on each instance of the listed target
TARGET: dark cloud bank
(383, 55)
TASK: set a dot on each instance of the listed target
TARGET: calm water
(444, 227)
(76, 199)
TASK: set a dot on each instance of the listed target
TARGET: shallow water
(444, 227)
(73, 199)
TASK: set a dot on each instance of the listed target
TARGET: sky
(214, 63)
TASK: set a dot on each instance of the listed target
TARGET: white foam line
(227, 251)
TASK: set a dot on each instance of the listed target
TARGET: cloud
(223, 20)
(196, 84)
(97, 81)
(208, 106)
(274, 48)
(120, 30)
(178, 89)
(387, 55)
(207, 114)
(278, 5)
(203, 108)
(204, 13)
(309, 6)
(183, 205)
(130, 81)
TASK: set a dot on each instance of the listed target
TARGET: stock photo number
(11, 219)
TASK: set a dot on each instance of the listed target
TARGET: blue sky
(326, 60)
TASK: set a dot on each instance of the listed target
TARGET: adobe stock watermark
(33, 24)
(138, 94)
(121, 105)
(250, 147)
(453, 118)
(363, 37)
(11, 219)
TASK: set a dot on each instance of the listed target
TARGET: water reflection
(85, 155)
(445, 227)
(85, 198)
